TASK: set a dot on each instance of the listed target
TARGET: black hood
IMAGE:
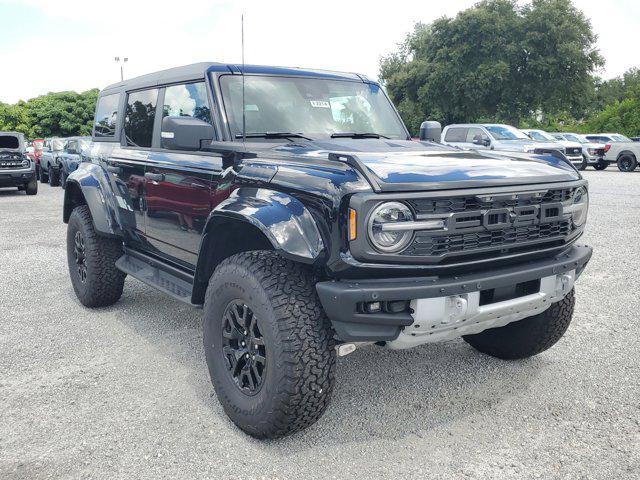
(410, 165)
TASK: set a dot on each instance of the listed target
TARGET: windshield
(57, 145)
(84, 143)
(505, 132)
(575, 138)
(621, 138)
(312, 107)
(540, 136)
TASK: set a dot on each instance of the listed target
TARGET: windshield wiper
(286, 135)
(356, 135)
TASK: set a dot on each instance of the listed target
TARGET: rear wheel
(92, 262)
(627, 163)
(526, 337)
(601, 165)
(268, 344)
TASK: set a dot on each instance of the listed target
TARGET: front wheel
(44, 176)
(627, 163)
(583, 165)
(601, 165)
(268, 344)
(526, 337)
(63, 180)
(31, 188)
(54, 177)
(92, 262)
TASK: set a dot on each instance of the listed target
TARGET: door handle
(154, 177)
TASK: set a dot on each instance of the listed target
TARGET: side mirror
(431, 131)
(185, 133)
(485, 142)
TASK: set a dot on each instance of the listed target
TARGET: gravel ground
(123, 392)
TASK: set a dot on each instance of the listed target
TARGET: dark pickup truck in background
(16, 169)
(294, 207)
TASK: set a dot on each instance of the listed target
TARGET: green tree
(60, 114)
(494, 61)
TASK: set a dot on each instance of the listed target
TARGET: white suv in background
(592, 152)
(492, 136)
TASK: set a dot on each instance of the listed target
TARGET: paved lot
(123, 392)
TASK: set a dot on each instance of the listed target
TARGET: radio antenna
(244, 120)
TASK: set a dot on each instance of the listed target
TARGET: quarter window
(106, 116)
(139, 118)
(188, 100)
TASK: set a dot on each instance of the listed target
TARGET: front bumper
(16, 178)
(342, 299)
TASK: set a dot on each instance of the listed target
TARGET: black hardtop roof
(197, 71)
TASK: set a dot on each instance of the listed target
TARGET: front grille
(13, 161)
(574, 151)
(476, 241)
(470, 203)
(426, 244)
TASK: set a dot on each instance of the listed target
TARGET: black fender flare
(92, 182)
(282, 218)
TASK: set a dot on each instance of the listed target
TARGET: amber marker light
(352, 224)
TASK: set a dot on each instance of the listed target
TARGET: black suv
(16, 169)
(293, 205)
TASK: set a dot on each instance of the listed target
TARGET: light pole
(124, 60)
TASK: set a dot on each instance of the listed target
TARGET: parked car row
(596, 150)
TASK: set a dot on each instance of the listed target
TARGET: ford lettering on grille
(501, 218)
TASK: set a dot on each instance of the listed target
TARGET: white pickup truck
(624, 154)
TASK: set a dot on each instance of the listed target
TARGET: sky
(49, 46)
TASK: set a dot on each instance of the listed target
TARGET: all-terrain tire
(54, 177)
(299, 371)
(31, 188)
(627, 163)
(526, 337)
(103, 282)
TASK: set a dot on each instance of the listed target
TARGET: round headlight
(382, 221)
(25, 163)
(580, 206)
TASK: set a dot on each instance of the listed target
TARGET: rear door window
(106, 116)
(140, 117)
(456, 135)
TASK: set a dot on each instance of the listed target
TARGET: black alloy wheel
(243, 347)
(79, 252)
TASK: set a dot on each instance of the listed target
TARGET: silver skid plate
(444, 318)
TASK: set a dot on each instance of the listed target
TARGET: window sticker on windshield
(320, 104)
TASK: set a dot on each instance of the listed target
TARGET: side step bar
(167, 279)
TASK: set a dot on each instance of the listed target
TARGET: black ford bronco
(295, 208)
(16, 169)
